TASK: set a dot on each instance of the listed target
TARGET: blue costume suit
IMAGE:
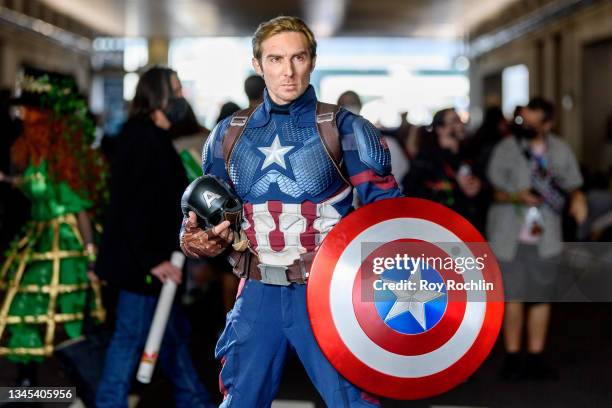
(293, 196)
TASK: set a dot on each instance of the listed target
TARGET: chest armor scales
(308, 173)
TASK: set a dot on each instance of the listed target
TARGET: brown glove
(198, 243)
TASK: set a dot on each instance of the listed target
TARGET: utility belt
(246, 265)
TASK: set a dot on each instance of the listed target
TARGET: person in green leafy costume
(46, 274)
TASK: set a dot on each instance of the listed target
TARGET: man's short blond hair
(279, 25)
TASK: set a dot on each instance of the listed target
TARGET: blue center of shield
(410, 303)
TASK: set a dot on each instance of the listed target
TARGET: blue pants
(266, 324)
(134, 316)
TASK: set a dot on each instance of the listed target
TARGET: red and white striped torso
(281, 232)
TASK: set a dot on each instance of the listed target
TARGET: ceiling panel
(179, 18)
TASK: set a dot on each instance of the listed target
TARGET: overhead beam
(531, 22)
(46, 30)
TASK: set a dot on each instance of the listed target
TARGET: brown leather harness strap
(326, 127)
(328, 132)
(245, 264)
(233, 133)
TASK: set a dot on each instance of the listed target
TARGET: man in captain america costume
(295, 187)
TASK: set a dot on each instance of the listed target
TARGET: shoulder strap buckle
(325, 117)
(239, 120)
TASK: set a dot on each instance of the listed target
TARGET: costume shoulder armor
(371, 146)
(212, 146)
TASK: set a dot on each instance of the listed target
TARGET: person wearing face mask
(143, 217)
(535, 179)
(184, 123)
(187, 135)
(442, 173)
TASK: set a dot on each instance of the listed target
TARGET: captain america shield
(393, 304)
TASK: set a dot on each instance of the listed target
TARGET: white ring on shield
(370, 353)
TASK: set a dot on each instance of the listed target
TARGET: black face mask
(176, 110)
(523, 131)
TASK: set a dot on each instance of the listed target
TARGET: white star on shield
(412, 301)
(275, 153)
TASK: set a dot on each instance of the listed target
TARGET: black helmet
(213, 201)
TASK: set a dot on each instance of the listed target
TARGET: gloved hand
(197, 243)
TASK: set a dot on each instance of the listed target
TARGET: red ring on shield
(326, 332)
(409, 344)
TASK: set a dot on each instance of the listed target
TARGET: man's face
(534, 118)
(285, 65)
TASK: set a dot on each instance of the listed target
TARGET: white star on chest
(412, 301)
(275, 153)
